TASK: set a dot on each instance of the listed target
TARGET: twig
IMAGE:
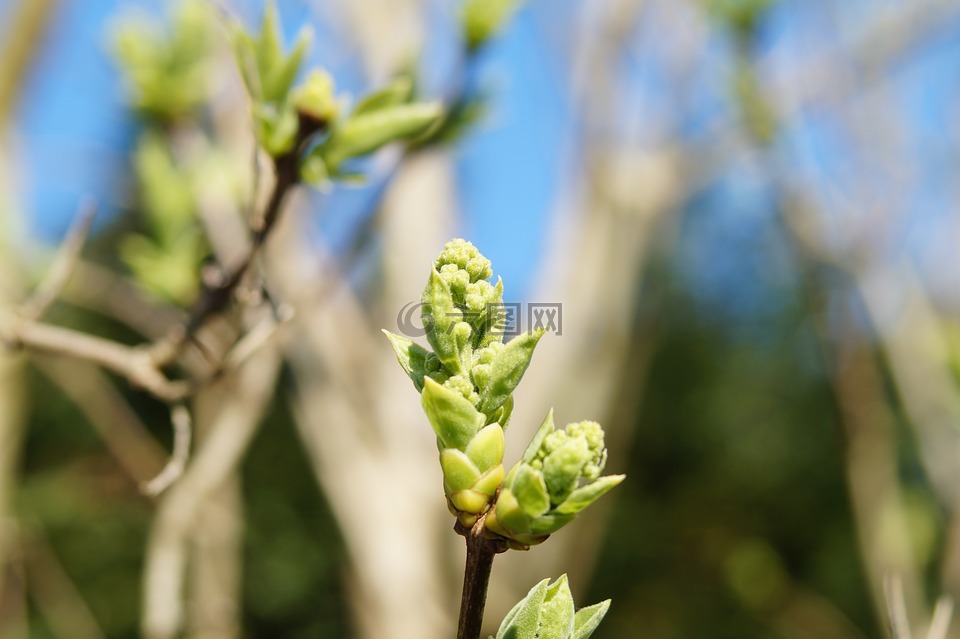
(134, 363)
(56, 596)
(63, 265)
(109, 414)
(182, 434)
(896, 606)
(942, 614)
(476, 578)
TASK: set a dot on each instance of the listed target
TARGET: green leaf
(459, 472)
(366, 132)
(269, 50)
(586, 495)
(506, 370)
(587, 619)
(531, 491)
(510, 514)
(411, 356)
(313, 171)
(282, 76)
(397, 92)
(482, 19)
(486, 448)
(453, 418)
(522, 622)
(546, 427)
(556, 613)
(490, 480)
(548, 524)
(439, 315)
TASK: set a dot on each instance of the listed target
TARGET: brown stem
(476, 578)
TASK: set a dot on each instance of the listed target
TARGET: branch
(182, 432)
(476, 578)
(134, 363)
(63, 266)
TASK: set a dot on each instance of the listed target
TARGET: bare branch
(182, 434)
(108, 412)
(942, 615)
(896, 606)
(134, 363)
(63, 265)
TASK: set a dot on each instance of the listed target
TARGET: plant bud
(557, 477)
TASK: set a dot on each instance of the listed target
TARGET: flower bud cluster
(557, 477)
(466, 385)
(467, 382)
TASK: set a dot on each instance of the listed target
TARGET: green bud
(471, 454)
(548, 612)
(315, 98)
(557, 477)
(466, 387)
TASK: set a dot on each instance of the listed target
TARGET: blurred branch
(896, 607)
(182, 429)
(102, 290)
(107, 411)
(65, 612)
(23, 36)
(63, 265)
(14, 619)
(230, 413)
(136, 364)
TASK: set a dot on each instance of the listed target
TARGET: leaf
(486, 448)
(522, 621)
(548, 524)
(556, 613)
(397, 92)
(269, 50)
(546, 427)
(506, 370)
(411, 356)
(586, 495)
(531, 491)
(366, 132)
(459, 472)
(439, 315)
(282, 76)
(453, 418)
(587, 619)
(314, 172)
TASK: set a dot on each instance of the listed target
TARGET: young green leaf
(366, 132)
(587, 619)
(506, 370)
(398, 91)
(453, 418)
(586, 495)
(411, 356)
(556, 613)
(522, 622)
